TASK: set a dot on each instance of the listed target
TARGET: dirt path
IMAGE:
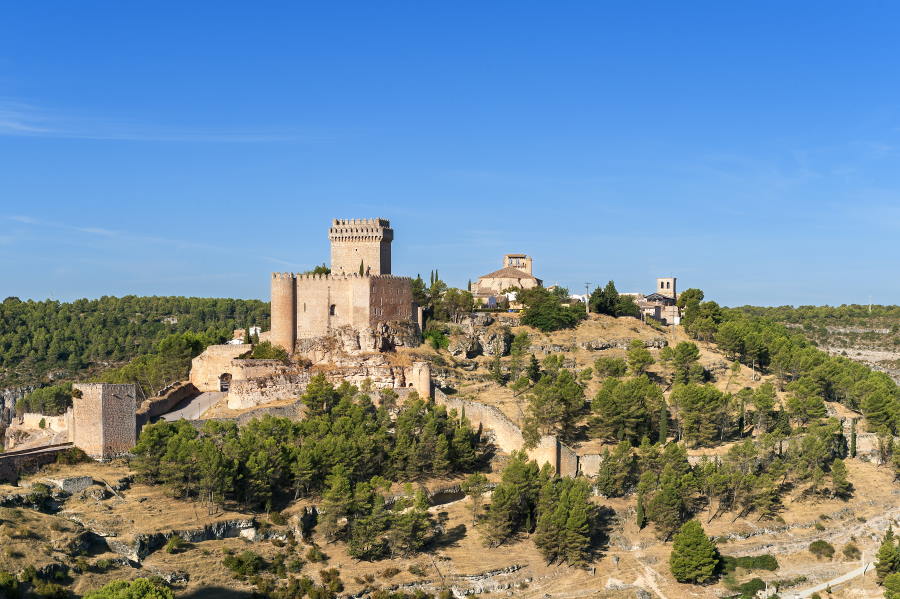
(831, 583)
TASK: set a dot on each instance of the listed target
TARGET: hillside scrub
(810, 375)
(37, 337)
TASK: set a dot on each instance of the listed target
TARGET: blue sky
(191, 148)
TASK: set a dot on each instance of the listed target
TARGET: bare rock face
(495, 341)
(465, 346)
(480, 335)
(346, 340)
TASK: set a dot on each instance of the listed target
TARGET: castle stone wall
(390, 299)
(212, 363)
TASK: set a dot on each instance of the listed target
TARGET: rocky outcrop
(346, 340)
(480, 335)
(621, 343)
(137, 547)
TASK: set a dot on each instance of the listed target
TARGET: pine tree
(840, 486)
(666, 510)
(694, 556)
(577, 534)
(337, 503)
(475, 487)
(888, 557)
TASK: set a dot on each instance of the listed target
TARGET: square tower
(361, 246)
(665, 286)
(104, 422)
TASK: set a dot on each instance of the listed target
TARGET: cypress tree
(361, 268)
(663, 423)
(534, 369)
(640, 517)
(853, 438)
(694, 557)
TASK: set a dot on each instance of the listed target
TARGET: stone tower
(103, 423)
(665, 286)
(361, 241)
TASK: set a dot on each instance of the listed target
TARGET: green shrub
(851, 551)
(175, 544)
(315, 555)
(766, 561)
(821, 549)
(267, 351)
(246, 563)
(277, 518)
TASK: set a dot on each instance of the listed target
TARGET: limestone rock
(465, 346)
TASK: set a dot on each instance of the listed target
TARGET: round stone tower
(284, 310)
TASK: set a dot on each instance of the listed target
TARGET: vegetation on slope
(65, 338)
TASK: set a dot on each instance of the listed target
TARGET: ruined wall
(213, 362)
(165, 401)
(53, 423)
(256, 391)
(569, 461)
(504, 433)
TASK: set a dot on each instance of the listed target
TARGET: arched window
(331, 310)
(224, 382)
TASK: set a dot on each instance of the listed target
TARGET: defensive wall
(167, 399)
(14, 463)
(508, 437)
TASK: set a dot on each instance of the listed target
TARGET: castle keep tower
(361, 241)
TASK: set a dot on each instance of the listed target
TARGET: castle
(360, 292)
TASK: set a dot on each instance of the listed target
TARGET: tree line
(64, 338)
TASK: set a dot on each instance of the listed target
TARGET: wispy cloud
(128, 237)
(21, 119)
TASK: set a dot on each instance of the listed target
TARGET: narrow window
(331, 310)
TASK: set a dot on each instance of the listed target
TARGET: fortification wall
(56, 424)
(506, 435)
(165, 401)
(252, 392)
(213, 362)
(326, 302)
(390, 299)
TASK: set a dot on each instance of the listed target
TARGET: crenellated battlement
(297, 276)
(364, 222)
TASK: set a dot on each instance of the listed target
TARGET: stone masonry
(103, 419)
